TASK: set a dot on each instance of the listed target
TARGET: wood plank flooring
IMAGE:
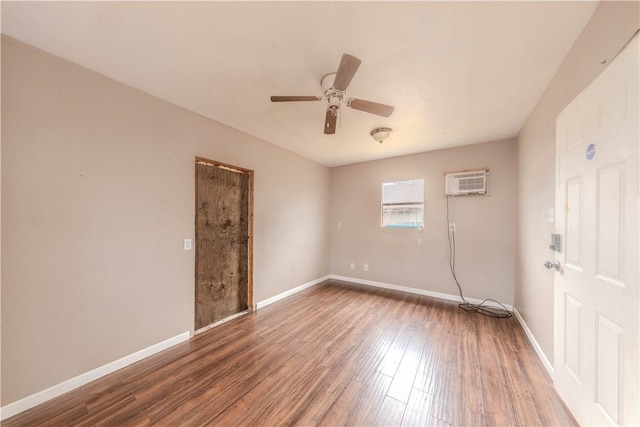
(335, 354)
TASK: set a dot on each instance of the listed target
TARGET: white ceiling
(457, 72)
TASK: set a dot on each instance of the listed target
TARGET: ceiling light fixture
(380, 134)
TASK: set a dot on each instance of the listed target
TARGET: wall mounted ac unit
(465, 182)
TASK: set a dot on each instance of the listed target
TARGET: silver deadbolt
(551, 265)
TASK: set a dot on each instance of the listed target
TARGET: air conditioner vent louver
(465, 183)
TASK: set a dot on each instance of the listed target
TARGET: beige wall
(485, 237)
(97, 196)
(611, 26)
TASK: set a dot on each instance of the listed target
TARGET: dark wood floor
(335, 354)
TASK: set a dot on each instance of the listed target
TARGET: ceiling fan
(335, 93)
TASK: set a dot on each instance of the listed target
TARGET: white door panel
(597, 367)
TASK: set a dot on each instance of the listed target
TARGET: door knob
(551, 265)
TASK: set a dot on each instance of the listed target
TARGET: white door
(597, 329)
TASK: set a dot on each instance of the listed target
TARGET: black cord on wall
(482, 308)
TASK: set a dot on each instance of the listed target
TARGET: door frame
(250, 173)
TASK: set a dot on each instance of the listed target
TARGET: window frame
(418, 223)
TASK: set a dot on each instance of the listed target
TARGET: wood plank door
(223, 226)
(596, 353)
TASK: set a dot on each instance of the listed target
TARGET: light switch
(188, 244)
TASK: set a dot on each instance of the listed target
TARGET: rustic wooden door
(223, 285)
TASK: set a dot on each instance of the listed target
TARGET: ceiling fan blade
(347, 69)
(370, 107)
(330, 122)
(295, 98)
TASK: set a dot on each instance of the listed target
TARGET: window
(403, 203)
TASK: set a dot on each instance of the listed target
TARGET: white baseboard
(543, 358)
(220, 322)
(433, 294)
(290, 292)
(82, 379)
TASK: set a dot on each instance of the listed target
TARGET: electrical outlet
(366, 267)
(339, 225)
(418, 241)
(452, 227)
(353, 266)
